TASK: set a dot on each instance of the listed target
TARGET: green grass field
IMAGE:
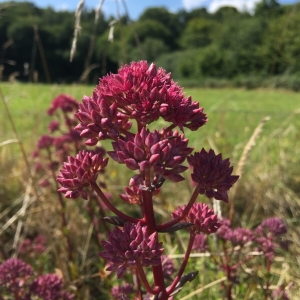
(233, 113)
(270, 182)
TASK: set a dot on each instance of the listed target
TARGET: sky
(136, 7)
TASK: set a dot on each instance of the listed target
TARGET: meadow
(259, 130)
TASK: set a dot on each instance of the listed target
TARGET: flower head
(274, 225)
(131, 244)
(212, 174)
(44, 142)
(241, 236)
(268, 236)
(133, 195)
(49, 287)
(201, 216)
(200, 243)
(100, 119)
(163, 153)
(33, 247)
(225, 230)
(64, 102)
(78, 172)
(14, 274)
(267, 246)
(53, 126)
(167, 266)
(148, 93)
(140, 92)
(118, 292)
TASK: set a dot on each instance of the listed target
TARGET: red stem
(150, 222)
(183, 265)
(184, 213)
(110, 206)
(62, 212)
(144, 280)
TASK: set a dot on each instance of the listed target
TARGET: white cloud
(190, 4)
(241, 5)
(62, 7)
(213, 5)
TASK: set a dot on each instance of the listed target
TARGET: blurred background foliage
(198, 47)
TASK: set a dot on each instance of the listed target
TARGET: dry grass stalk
(98, 11)
(77, 28)
(243, 159)
(204, 288)
(8, 142)
(25, 205)
(15, 217)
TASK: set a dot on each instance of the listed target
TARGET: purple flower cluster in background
(33, 247)
(18, 280)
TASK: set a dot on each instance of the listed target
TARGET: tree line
(193, 45)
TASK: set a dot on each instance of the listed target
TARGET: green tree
(168, 20)
(198, 33)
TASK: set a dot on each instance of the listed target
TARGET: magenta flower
(212, 174)
(200, 243)
(241, 236)
(100, 119)
(268, 236)
(14, 274)
(225, 230)
(133, 195)
(201, 216)
(33, 247)
(78, 172)
(49, 287)
(138, 92)
(44, 142)
(53, 126)
(163, 154)
(267, 246)
(168, 267)
(273, 225)
(64, 102)
(131, 244)
(121, 291)
(147, 93)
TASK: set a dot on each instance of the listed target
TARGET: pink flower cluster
(79, 172)
(140, 92)
(125, 248)
(121, 108)
(18, 280)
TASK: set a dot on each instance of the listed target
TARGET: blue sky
(136, 7)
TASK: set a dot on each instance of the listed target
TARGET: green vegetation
(269, 185)
(225, 48)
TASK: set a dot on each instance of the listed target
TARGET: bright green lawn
(233, 113)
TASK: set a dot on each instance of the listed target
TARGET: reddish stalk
(184, 213)
(150, 222)
(62, 212)
(110, 206)
(144, 280)
(183, 265)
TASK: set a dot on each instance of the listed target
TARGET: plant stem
(62, 212)
(144, 280)
(184, 213)
(150, 222)
(110, 206)
(183, 265)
